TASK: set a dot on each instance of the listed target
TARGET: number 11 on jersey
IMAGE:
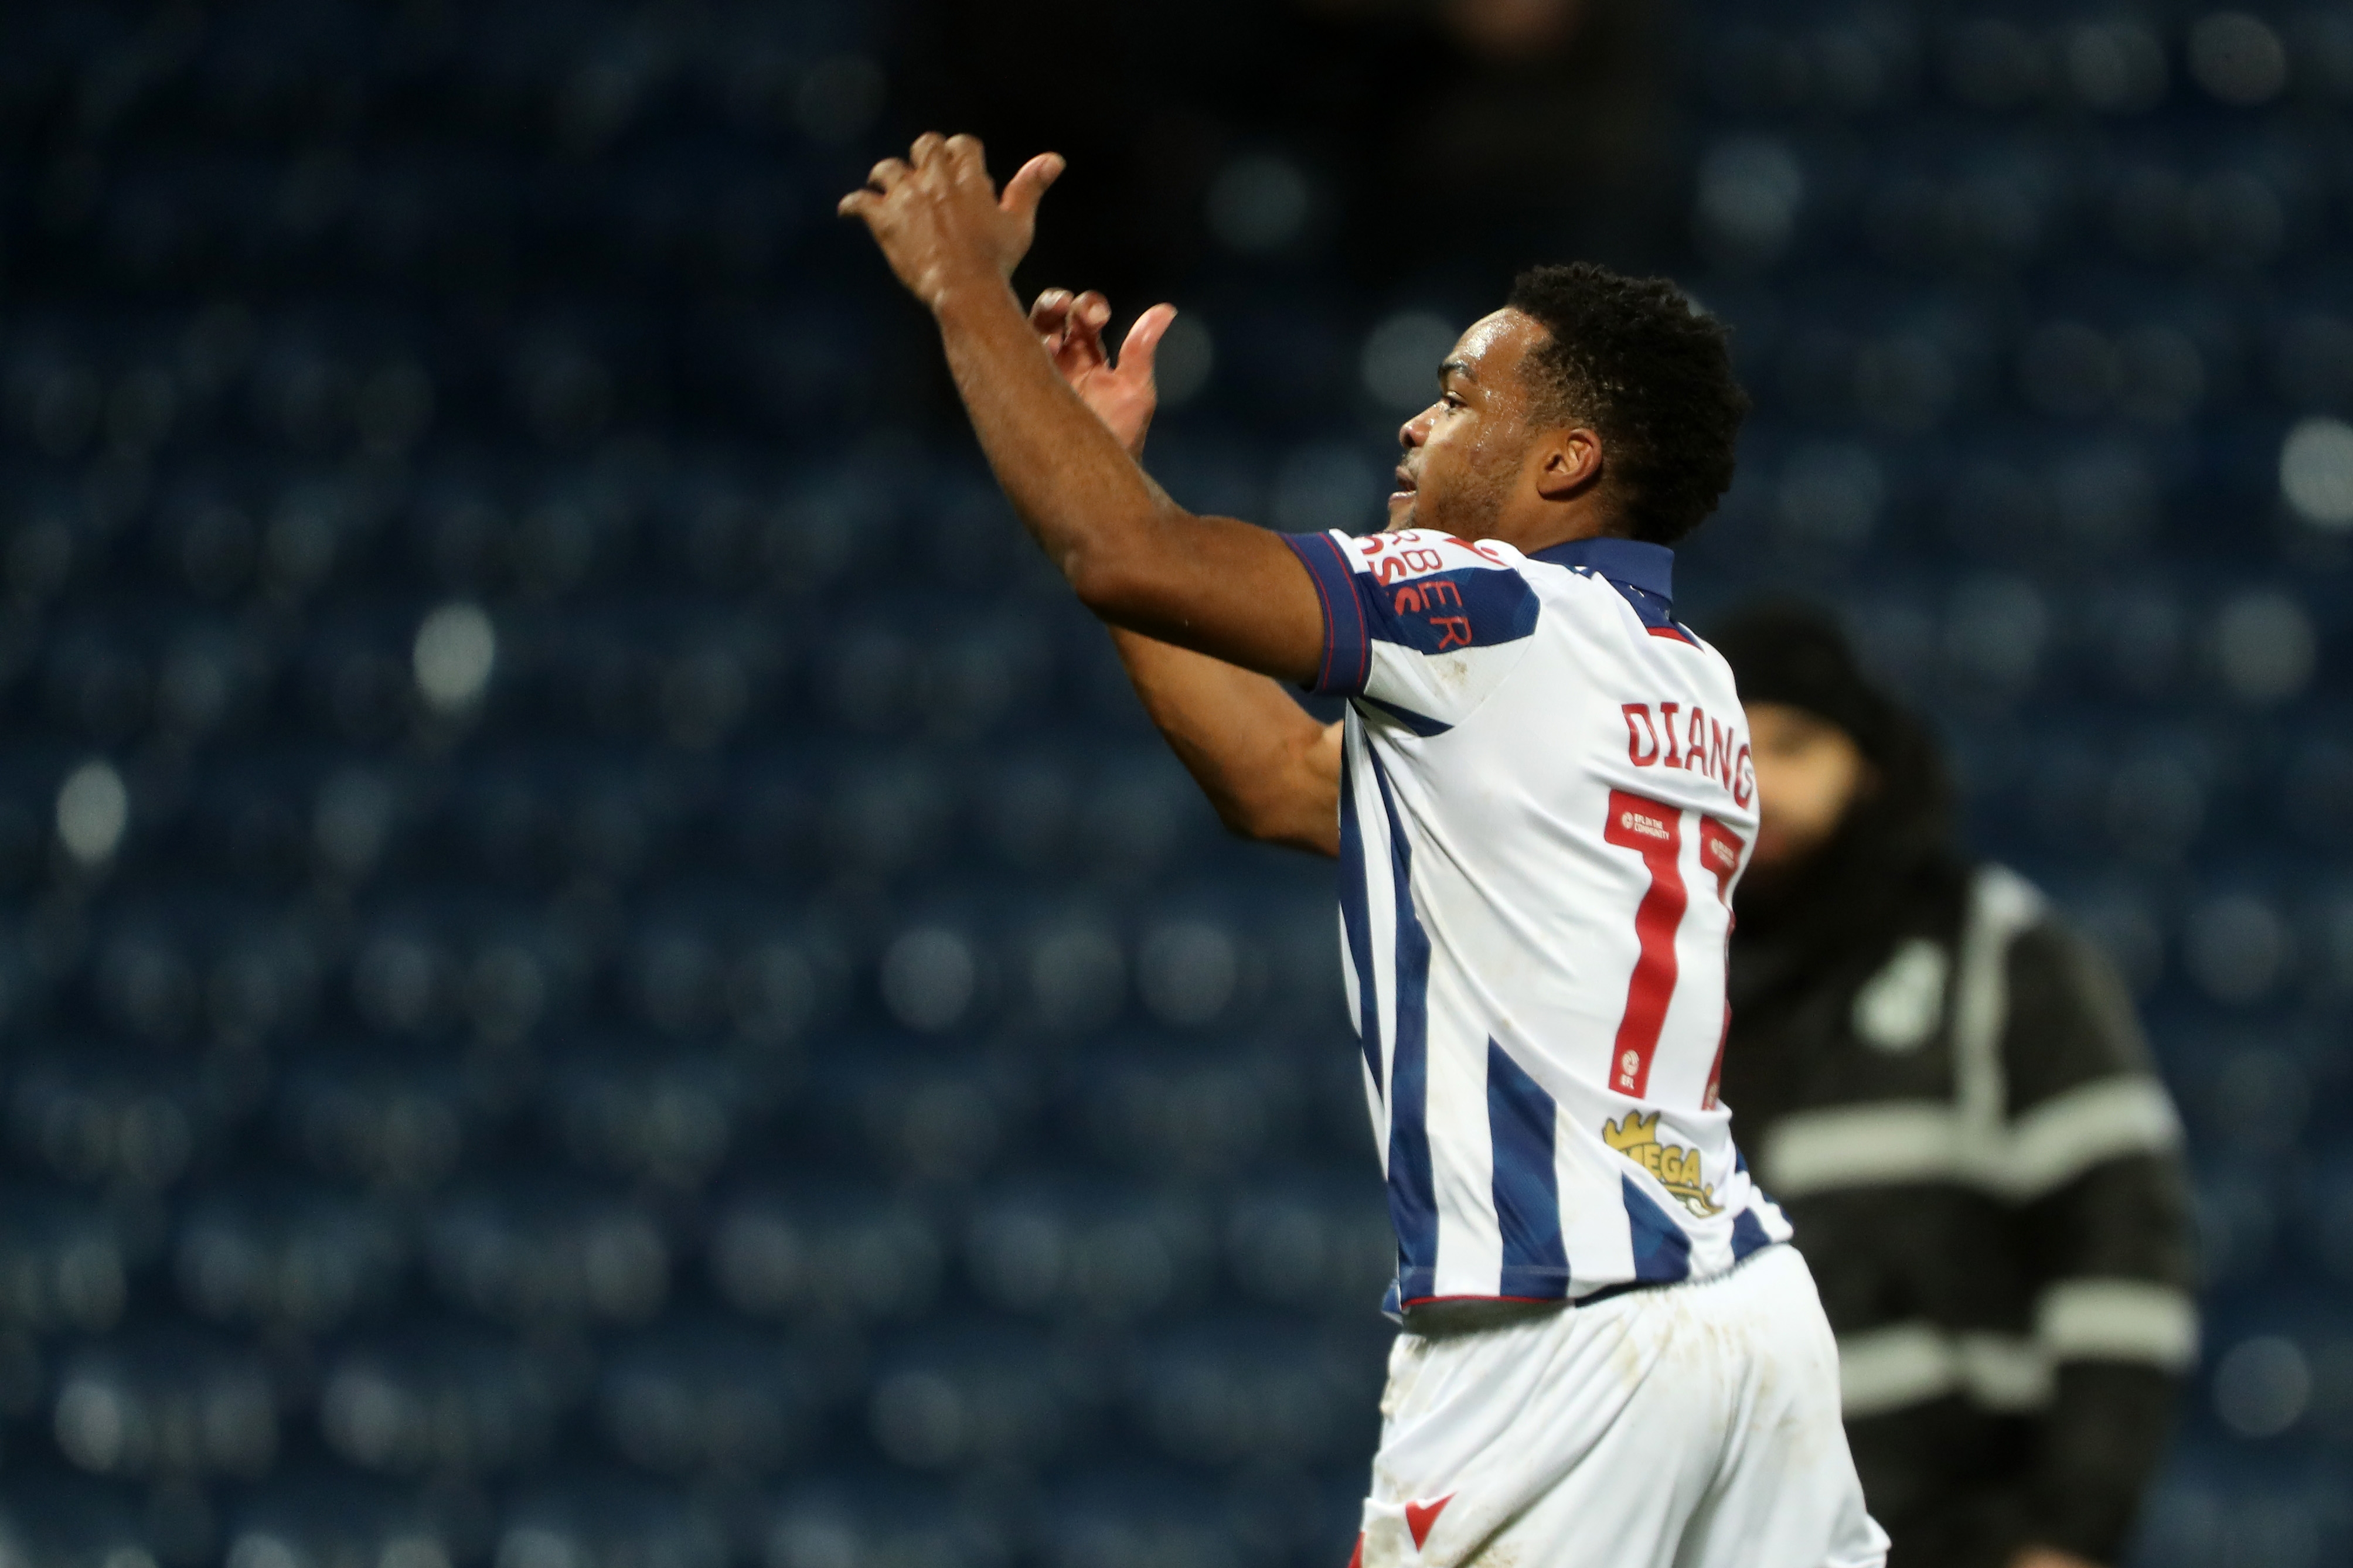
(1654, 830)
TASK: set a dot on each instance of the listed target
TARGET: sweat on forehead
(1495, 348)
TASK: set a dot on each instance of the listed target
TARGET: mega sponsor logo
(1677, 1168)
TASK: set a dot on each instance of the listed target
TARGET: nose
(1415, 431)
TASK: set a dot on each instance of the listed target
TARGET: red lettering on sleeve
(1454, 631)
(1475, 549)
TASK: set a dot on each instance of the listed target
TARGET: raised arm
(1133, 557)
(1269, 768)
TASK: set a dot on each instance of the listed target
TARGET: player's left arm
(1136, 559)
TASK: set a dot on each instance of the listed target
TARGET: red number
(1655, 831)
(1719, 850)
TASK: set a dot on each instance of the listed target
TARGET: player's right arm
(1270, 769)
(1133, 557)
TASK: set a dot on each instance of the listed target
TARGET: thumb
(1142, 346)
(1028, 185)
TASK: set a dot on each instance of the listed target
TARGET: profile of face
(1810, 774)
(1464, 453)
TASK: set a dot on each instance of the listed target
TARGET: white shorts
(1683, 1426)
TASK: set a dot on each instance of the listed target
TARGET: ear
(1568, 463)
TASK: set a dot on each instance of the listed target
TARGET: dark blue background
(792, 1073)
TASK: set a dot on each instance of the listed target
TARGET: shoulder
(1423, 552)
(2056, 972)
(2001, 904)
(2069, 1019)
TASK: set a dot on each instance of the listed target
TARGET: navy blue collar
(1635, 563)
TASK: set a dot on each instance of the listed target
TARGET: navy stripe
(1472, 607)
(1662, 1250)
(1357, 919)
(1748, 1234)
(1347, 648)
(1520, 1126)
(1423, 727)
(1635, 564)
(1656, 614)
(1413, 1191)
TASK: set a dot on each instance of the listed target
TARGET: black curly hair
(1633, 359)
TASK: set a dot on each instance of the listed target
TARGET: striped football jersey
(1547, 799)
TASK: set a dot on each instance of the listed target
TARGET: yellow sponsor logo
(1676, 1167)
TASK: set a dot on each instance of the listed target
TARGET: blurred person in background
(1948, 1093)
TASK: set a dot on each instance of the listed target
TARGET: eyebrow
(1460, 367)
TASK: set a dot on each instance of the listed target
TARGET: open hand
(940, 221)
(1123, 397)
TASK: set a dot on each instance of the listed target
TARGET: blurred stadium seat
(598, 970)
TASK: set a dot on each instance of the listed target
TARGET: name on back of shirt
(1667, 735)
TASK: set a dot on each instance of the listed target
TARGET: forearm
(1082, 497)
(1269, 767)
(1134, 557)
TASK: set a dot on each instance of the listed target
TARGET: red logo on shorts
(1421, 1516)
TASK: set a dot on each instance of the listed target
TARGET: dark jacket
(1948, 1094)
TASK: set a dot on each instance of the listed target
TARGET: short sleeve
(1421, 626)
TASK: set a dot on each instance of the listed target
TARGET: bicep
(1294, 800)
(1217, 586)
(1319, 793)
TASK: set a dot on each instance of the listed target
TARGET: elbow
(1262, 822)
(1109, 586)
(1242, 821)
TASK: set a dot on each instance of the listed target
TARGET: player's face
(1465, 452)
(1808, 772)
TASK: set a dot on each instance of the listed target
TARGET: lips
(1405, 483)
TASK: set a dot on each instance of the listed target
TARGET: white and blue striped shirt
(1546, 797)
